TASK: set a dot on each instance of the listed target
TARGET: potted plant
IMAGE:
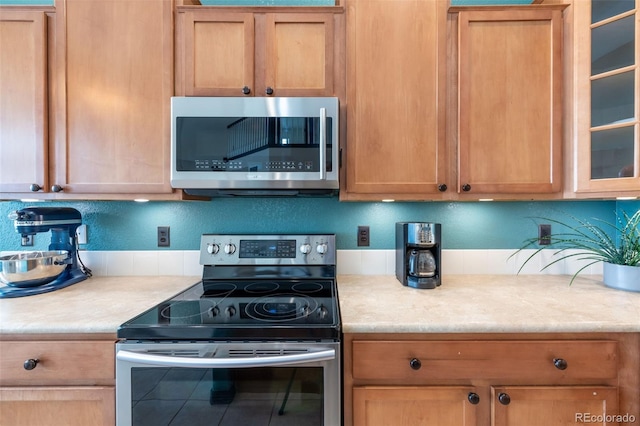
(617, 245)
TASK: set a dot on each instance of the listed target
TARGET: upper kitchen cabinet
(258, 51)
(396, 145)
(509, 103)
(606, 97)
(23, 99)
(110, 80)
(112, 121)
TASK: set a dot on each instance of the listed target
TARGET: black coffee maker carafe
(418, 254)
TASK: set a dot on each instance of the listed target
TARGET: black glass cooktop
(243, 309)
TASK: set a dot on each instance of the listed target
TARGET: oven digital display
(273, 249)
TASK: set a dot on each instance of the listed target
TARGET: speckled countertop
(463, 304)
(97, 305)
(487, 304)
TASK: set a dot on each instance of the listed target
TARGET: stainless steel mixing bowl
(32, 268)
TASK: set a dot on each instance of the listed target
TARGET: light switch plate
(164, 237)
(81, 234)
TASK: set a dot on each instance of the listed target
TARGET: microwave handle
(250, 362)
(323, 143)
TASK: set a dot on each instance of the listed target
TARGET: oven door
(228, 383)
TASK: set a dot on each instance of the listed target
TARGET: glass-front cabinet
(607, 96)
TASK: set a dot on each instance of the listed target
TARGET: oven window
(243, 396)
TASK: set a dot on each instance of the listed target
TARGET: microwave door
(283, 146)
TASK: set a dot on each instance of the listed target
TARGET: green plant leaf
(592, 241)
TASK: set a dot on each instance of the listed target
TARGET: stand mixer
(62, 222)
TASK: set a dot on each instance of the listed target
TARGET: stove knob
(213, 248)
(321, 248)
(230, 248)
(305, 248)
(323, 312)
(214, 312)
(305, 310)
(230, 311)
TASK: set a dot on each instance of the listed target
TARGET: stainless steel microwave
(254, 146)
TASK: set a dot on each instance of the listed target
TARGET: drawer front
(58, 362)
(539, 360)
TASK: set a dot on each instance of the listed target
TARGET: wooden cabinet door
(218, 53)
(113, 106)
(510, 101)
(224, 53)
(560, 406)
(23, 100)
(606, 103)
(413, 406)
(46, 406)
(396, 53)
(298, 55)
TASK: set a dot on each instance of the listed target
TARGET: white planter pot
(622, 277)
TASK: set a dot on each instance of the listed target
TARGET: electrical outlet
(81, 234)
(164, 238)
(363, 236)
(26, 240)
(544, 234)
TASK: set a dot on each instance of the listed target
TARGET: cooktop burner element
(256, 287)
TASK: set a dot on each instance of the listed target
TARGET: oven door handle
(250, 362)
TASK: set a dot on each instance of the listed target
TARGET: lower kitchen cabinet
(551, 405)
(497, 379)
(61, 382)
(48, 406)
(407, 405)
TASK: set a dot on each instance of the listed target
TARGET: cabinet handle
(442, 187)
(35, 187)
(466, 187)
(56, 188)
(246, 90)
(504, 398)
(473, 398)
(560, 363)
(415, 363)
(31, 363)
(269, 91)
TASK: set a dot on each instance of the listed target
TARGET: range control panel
(308, 249)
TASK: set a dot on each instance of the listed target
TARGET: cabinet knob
(560, 363)
(415, 363)
(504, 398)
(442, 187)
(35, 187)
(473, 398)
(31, 363)
(466, 187)
(56, 188)
(246, 90)
(269, 91)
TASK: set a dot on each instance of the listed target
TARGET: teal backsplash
(127, 225)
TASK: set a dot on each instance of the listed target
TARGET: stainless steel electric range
(256, 341)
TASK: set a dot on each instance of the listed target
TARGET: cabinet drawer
(59, 362)
(539, 360)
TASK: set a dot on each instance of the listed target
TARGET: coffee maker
(418, 254)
